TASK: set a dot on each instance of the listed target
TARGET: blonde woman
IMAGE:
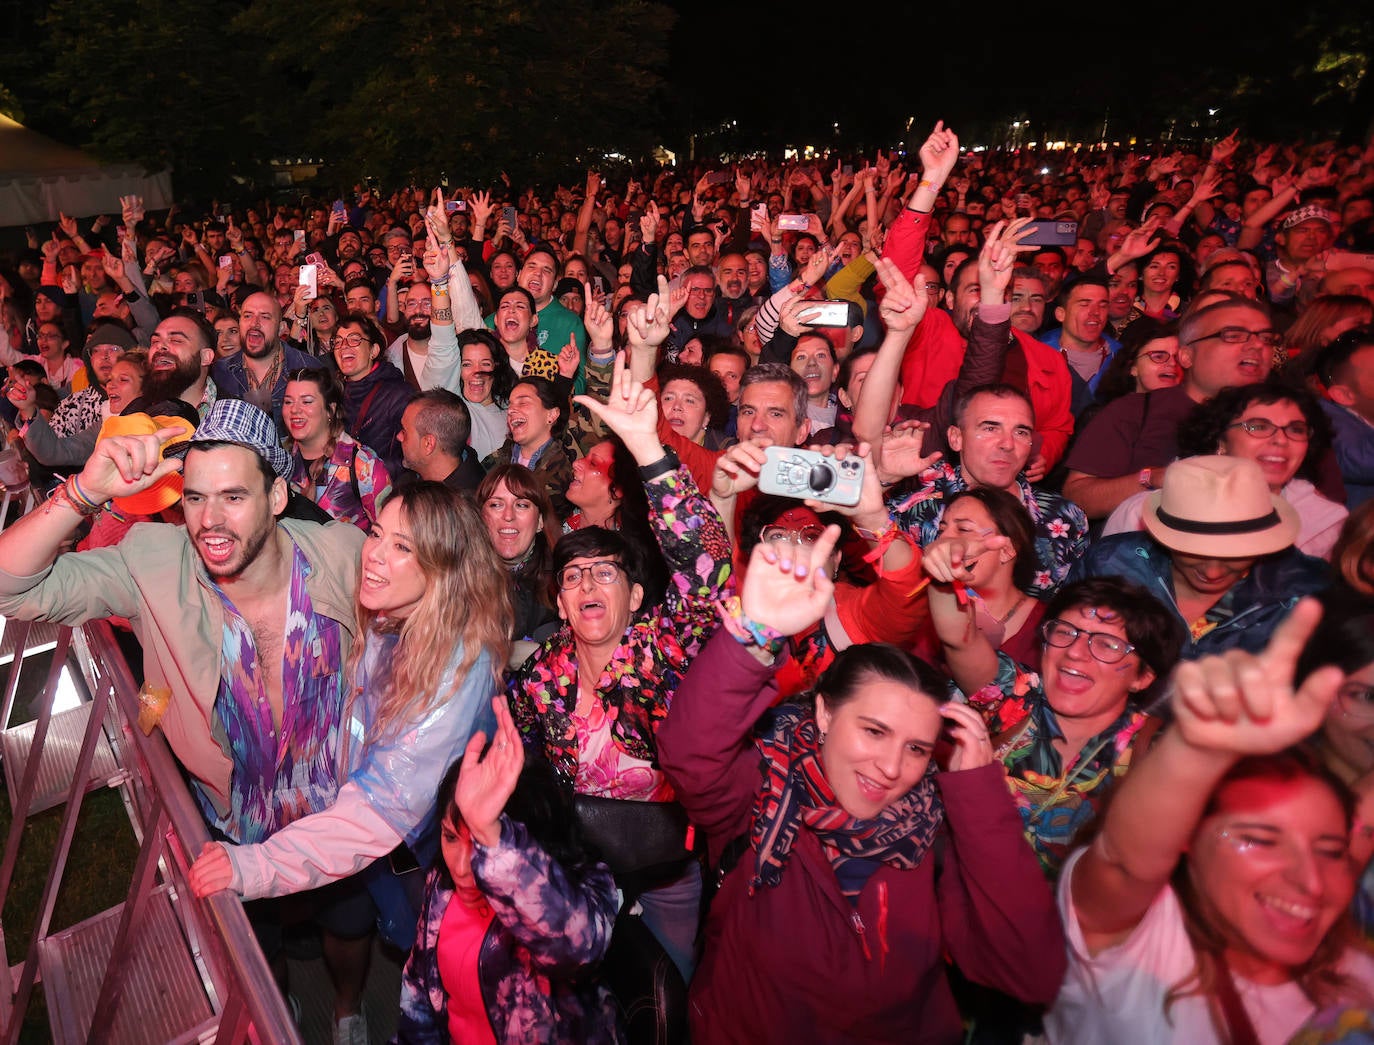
(434, 607)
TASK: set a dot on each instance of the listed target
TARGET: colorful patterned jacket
(533, 963)
(1061, 528)
(645, 669)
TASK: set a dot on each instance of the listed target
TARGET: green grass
(99, 866)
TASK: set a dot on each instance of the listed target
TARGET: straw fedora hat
(1219, 507)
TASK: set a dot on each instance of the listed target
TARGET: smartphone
(298, 235)
(339, 209)
(508, 215)
(793, 222)
(599, 285)
(718, 178)
(455, 205)
(792, 472)
(1051, 234)
(226, 262)
(1346, 259)
(196, 300)
(760, 214)
(829, 313)
(309, 278)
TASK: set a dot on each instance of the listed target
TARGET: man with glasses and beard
(409, 352)
(257, 373)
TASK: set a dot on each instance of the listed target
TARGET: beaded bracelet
(748, 632)
(77, 498)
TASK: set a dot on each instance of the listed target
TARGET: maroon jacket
(798, 962)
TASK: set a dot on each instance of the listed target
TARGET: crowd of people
(912, 598)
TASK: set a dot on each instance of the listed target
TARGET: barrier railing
(162, 966)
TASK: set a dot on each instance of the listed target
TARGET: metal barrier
(162, 966)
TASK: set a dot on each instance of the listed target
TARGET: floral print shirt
(637, 686)
(1055, 801)
(1061, 528)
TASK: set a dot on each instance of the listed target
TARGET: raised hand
(630, 411)
(569, 358)
(68, 225)
(817, 265)
(486, 784)
(113, 266)
(1223, 150)
(599, 323)
(233, 233)
(131, 209)
(902, 307)
(900, 455)
(1140, 241)
(649, 327)
(939, 154)
(649, 223)
(997, 259)
(738, 469)
(787, 587)
(1246, 704)
(128, 464)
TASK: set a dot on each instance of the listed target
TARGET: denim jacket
(1258, 601)
(533, 963)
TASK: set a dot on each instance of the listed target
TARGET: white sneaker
(352, 1030)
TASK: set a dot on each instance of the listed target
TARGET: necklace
(269, 379)
(1014, 607)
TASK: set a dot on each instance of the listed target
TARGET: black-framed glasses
(604, 572)
(1104, 646)
(1241, 336)
(1263, 428)
(351, 340)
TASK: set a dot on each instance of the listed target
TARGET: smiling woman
(1213, 904)
(834, 924)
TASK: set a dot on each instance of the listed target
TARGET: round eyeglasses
(1104, 646)
(604, 572)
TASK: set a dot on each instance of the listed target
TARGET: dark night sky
(793, 76)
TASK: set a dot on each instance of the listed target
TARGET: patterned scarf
(795, 792)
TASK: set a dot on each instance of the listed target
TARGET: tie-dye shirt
(280, 775)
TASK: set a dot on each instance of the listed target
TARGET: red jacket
(798, 962)
(936, 350)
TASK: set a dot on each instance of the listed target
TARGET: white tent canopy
(39, 177)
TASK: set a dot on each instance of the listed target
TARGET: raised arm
(1225, 708)
(901, 308)
(706, 744)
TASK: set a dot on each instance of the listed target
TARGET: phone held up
(791, 472)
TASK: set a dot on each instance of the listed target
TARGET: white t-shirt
(1117, 996)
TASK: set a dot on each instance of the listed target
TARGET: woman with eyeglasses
(1282, 429)
(375, 392)
(1067, 732)
(1146, 362)
(1213, 905)
(329, 466)
(593, 696)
